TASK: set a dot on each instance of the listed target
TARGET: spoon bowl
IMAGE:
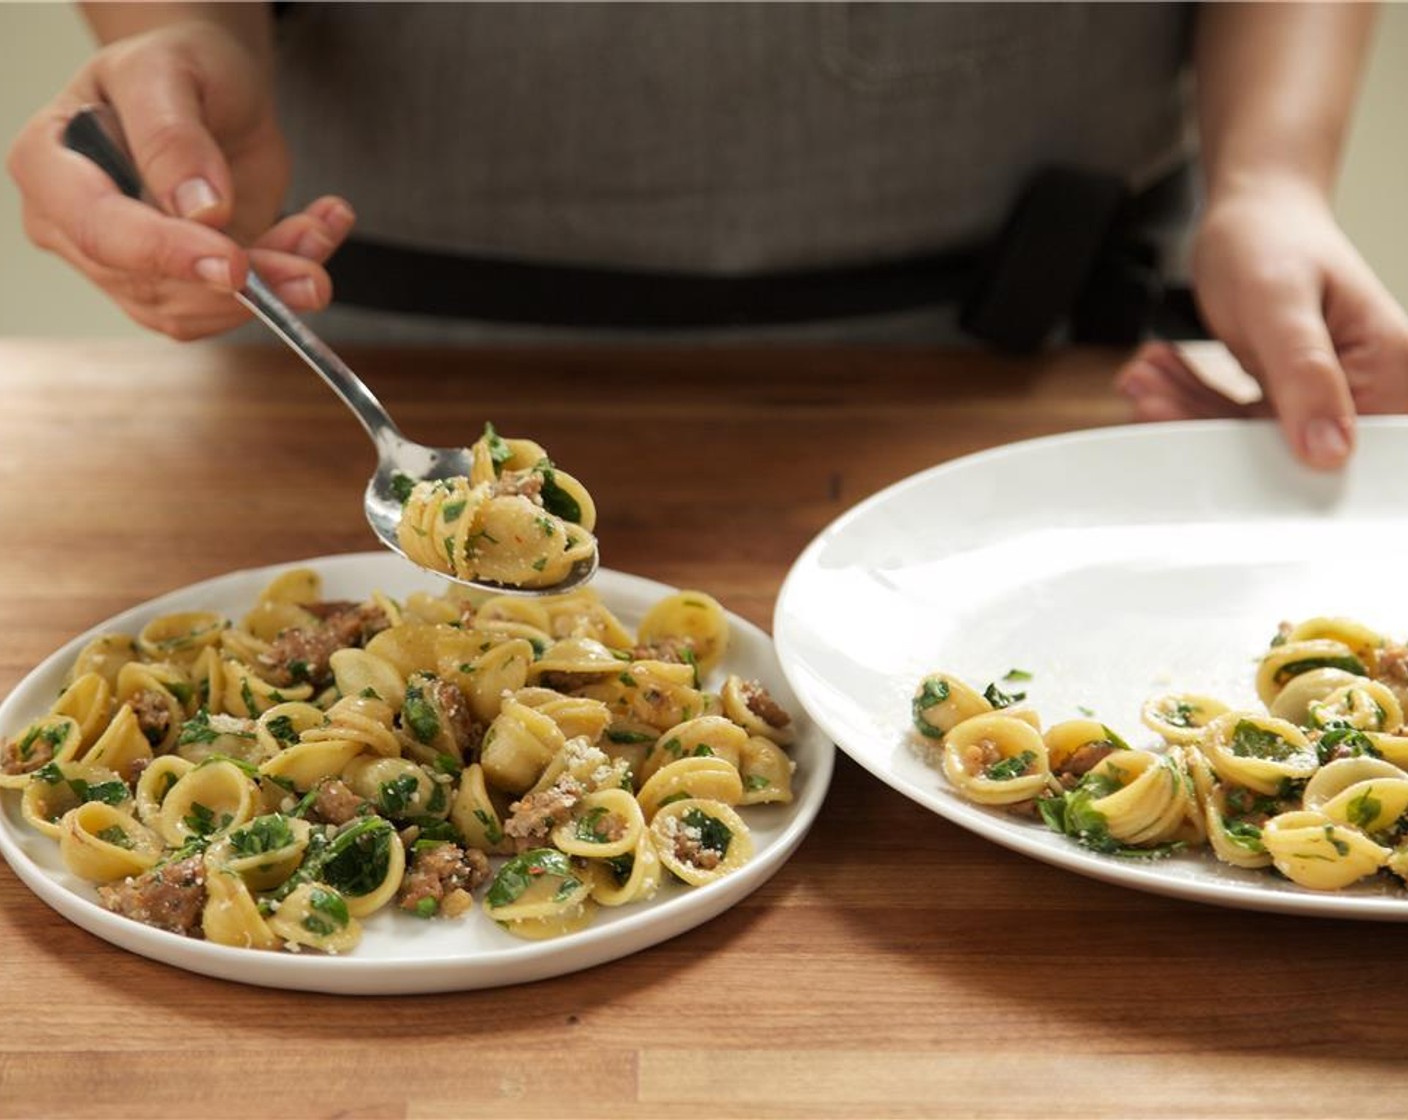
(95, 132)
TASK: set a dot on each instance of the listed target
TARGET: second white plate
(1110, 565)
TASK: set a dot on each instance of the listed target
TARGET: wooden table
(896, 966)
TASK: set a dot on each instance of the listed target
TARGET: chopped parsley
(397, 795)
(1345, 742)
(555, 499)
(1364, 809)
(932, 691)
(999, 699)
(202, 820)
(53, 734)
(1250, 741)
(588, 825)
(263, 834)
(197, 729)
(518, 874)
(1341, 848)
(499, 450)
(453, 511)
(115, 835)
(1244, 834)
(492, 832)
(1073, 814)
(1010, 768)
(357, 858)
(624, 735)
(713, 833)
(282, 729)
(420, 715)
(1180, 713)
(1348, 662)
(328, 912)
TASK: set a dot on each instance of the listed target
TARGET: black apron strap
(370, 273)
(1067, 260)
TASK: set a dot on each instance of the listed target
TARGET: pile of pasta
(271, 783)
(515, 519)
(1313, 784)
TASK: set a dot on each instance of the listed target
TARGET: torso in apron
(722, 138)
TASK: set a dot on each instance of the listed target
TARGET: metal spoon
(94, 131)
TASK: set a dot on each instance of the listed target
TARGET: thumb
(178, 159)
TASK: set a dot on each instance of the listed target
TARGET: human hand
(198, 114)
(1280, 284)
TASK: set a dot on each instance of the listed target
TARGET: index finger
(74, 196)
(1300, 370)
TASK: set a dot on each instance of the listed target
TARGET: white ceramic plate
(1111, 565)
(401, 954)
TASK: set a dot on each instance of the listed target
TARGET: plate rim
(516, 963)
(1028, 838)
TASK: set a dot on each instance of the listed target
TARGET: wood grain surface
(896, 966)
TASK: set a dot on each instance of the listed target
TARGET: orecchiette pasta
(270, 782)
(1313, 785)
(515, 519)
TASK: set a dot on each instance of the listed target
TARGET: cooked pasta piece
(700, 839)
(995, 759)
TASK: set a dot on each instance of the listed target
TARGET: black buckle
(1040, 268)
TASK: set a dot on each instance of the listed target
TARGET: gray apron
(715, 138)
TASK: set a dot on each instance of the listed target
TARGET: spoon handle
(258, 297)
(95, 132)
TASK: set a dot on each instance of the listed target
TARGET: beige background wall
(42, 43)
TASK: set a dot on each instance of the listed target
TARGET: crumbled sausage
(18, 758)
(567, 682)
(679, 651)
(689, 847)
(539, 813)
(301, 654)
(1391, 663)
(1082, 760)
(529, 484)
(760, 702)
(450, 701)
(444, 873)
(977, 757)
(170, 896)
(609, 828)
(337, 804)
(153, 716)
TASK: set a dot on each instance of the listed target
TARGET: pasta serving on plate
(515, 519)
(1311, 785)
(270, 783)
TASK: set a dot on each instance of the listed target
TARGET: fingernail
(340, 218)
(1326, 441)
(301, 292)
(312, 245)
(214, 271)
(195, 196)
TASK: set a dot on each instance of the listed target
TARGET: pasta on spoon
(514, 520)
